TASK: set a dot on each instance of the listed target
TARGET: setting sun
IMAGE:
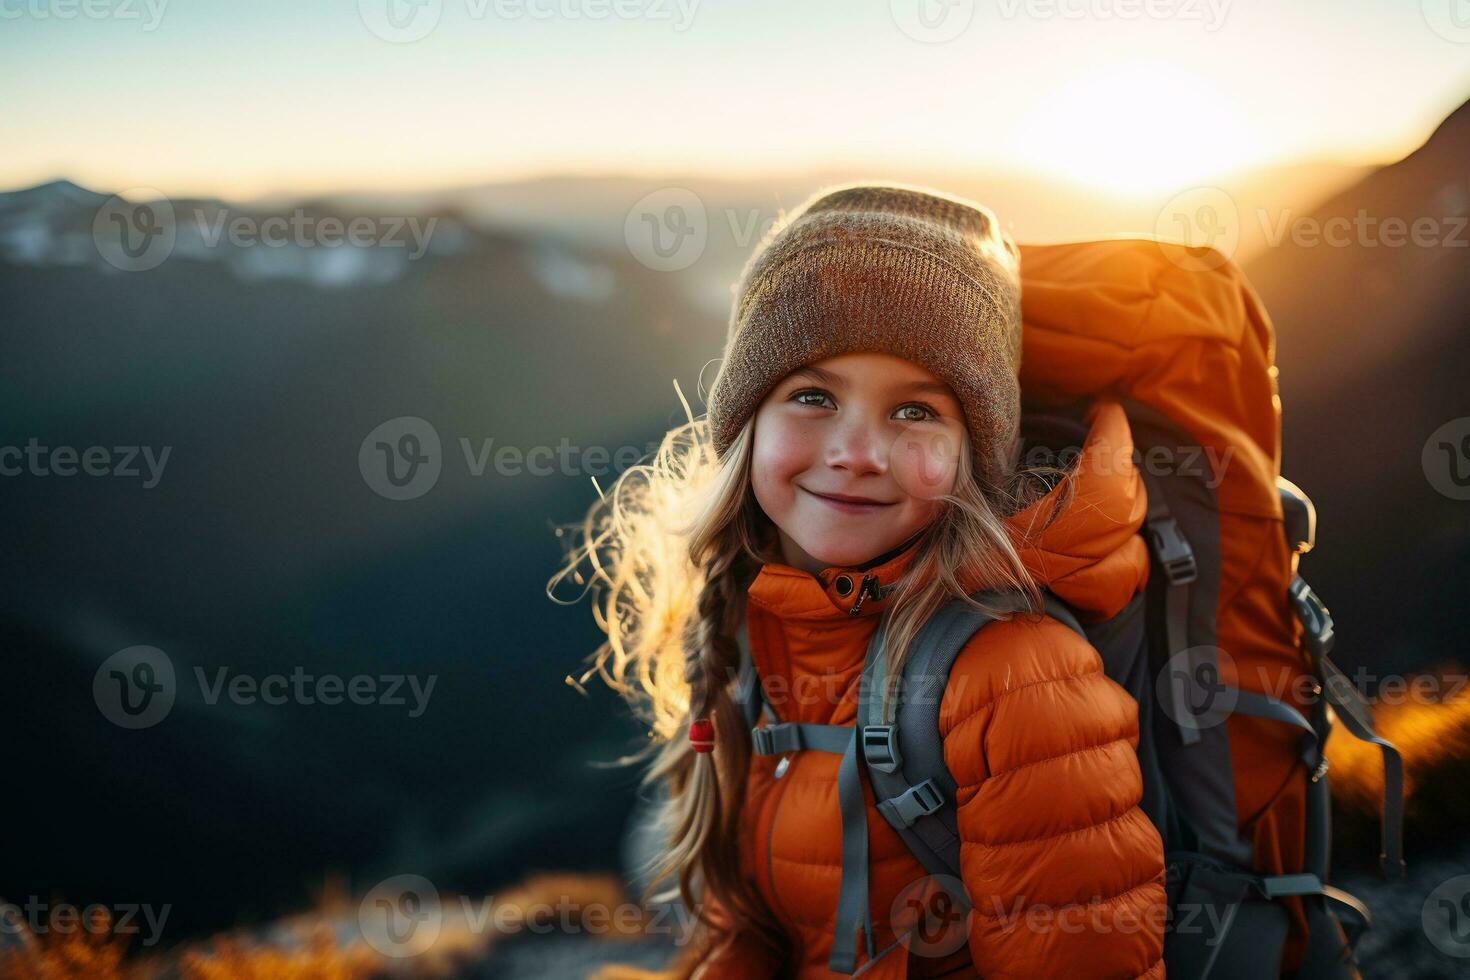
(1136, 128)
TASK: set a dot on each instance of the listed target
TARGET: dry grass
(535, 905)
(1433, 737)
(100, 954)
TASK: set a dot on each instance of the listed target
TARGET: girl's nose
(859, 447)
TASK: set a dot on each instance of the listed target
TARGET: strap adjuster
(1173, 551)
(880, 747)
(775, 739)
(1316, 621)
(915, 802)
(1276, 886)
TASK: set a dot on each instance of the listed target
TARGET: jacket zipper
(868, 586)
(775, 805)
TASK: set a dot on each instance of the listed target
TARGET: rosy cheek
(783, 452)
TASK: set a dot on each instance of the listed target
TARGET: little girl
(861, 459)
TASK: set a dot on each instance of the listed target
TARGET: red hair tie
(702, 735)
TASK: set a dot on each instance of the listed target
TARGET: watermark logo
(405, 21)
(1446, 917)
(931, 915)
(402, 458)
(1210, 13)
(1190, 689)
(140, 229)
(53, 461)
(1206, 226)
(932, 21)
(1450, 19)
(135, 231)
(304, 230)
(667, 230)
(924, 460)
(152, 10)
(404, 915)
(37, 918)
(1446, 459)
(1206, 221)
(401, 916)
(400, 21)
(300, 687)
(1364, 230)
(135, 688)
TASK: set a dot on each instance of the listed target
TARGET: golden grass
(536, 905)
(1431, 736)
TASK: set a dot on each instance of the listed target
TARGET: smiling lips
(850, 505)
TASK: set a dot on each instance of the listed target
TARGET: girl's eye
(926, 412)
(811, 393)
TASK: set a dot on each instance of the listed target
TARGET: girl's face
(874, 428)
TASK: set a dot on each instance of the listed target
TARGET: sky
(242, 99)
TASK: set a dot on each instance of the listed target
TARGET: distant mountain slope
(1374, 351)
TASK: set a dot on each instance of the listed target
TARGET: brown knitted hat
(893, 268)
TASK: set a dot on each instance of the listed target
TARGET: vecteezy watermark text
(402, 458)
(89, 9)
(299, 687)
(406, 21)
(35, 459)
(39, 918)
(137, 686)
(139, 229)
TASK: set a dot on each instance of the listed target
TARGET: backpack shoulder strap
(900, 739)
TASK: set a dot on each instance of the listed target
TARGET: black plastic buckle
(775, 739)
(1316, 621)
(880, 747)
(1173, 551)
(917, 801)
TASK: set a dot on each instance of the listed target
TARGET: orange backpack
(1247, 679)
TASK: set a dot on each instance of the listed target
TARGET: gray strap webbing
(779, 737)
(1356, 717)
(792, 736)
(1318, 840)
(1264, 706)
(852, 900)
(910, 796)
(748, 693)
(1276, 886)
(1336, 688)
(1176, 559)
(1176, 631)
(944, 634)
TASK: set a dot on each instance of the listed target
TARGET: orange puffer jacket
(1065, 871)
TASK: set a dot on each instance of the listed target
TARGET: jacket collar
(837, 591)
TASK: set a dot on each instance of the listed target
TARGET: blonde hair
(669, 552)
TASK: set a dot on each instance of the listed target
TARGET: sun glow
(1138, 128)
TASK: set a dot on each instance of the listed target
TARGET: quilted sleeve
(1065, 870)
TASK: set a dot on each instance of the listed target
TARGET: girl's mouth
(848, 505)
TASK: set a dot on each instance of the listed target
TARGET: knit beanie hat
(892, 268)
